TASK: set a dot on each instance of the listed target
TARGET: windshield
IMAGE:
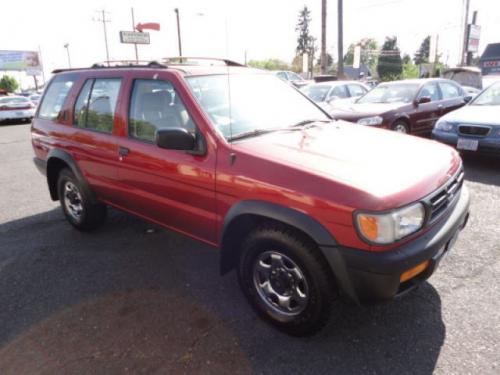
(393, 93)
(316, 92)
(490, 96)
(258, 102)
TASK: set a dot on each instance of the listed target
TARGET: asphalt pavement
(135, 298)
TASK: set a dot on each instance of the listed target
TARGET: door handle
(123, 151)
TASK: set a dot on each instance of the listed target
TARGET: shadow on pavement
(134, 297)
(482, 169)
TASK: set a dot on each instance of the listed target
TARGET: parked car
(304, 208)
(475, 127)
(329, 93)
(292, 78)
(16, 108)
(469, 77)
(409, 106)
(35, 98)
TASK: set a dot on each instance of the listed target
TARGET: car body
(35, 98)
(327, 94)
(408, 106)
(490, 79)
(304, 208)
(476, 127)
(14, 107)
(292, 78)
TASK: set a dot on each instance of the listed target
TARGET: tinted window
(357, 90)
(449, 90)
(156, 105)
(97, 111)
(55, 96)
(430, 90)
(338, 92)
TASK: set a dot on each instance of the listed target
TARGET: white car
(16, 108)
(331, 94)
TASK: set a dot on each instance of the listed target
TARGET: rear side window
(449, 90)
(339, 92)
(55, 96)
(156, 105)
(96, 104)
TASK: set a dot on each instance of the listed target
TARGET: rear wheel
(286, 280)
(76, 204)
(401, 127)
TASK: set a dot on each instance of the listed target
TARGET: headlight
(389, 227)
(375, 120)
(444, 126)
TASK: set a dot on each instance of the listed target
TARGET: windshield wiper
(254, 133)
(307, 122)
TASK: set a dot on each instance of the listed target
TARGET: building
(490, 60)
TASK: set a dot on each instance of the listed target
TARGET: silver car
(474, 127)
(16, 108)
(330, 95)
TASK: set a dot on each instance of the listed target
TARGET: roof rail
(187, 60)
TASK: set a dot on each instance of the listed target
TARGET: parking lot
(132, 297)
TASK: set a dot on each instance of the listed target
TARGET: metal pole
(178, 32)
(67, 52)
(135, 44)
(323, 37)
(41, 63)
(105, 35)
(340, 64)
(469, 54)
(466, 34)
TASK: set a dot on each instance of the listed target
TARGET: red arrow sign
(148, 25)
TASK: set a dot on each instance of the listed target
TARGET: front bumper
(370, 276)
(489, 145)
(17, 114)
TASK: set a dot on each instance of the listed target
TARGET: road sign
(148, 25)
(134, 37)
(474, 35)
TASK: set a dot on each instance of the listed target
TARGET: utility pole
(67, 52)
(466, 33)
(104, 21)
(323, 37)
(340, 64)
(176, 10)
(469, 54)
(135, 44)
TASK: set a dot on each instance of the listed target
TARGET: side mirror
(175, 139)
(423, 100)
(467, 98)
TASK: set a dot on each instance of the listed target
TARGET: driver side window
(431, 90)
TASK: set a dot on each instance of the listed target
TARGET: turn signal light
(412, 272)
(369, 227)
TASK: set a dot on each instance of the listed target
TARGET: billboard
(27, 61)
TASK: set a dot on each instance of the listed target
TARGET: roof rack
(192, 60)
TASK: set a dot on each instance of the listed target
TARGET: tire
(76, 203)
(301, 269)
(401, 127)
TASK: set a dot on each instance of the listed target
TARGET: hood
(358, 110)
(390, 169)
(475, 114)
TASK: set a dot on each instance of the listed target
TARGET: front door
(426, 114)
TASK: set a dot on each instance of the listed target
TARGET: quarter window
(55, 96)
(96, 105)
(156, 105)
(449, 90)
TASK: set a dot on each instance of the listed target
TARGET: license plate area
(467, 144)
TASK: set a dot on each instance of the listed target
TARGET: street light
(67, 52)
(176, 10)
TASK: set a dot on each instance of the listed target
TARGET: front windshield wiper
(307, 122)
(254, 133)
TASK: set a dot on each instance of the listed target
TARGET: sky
(230, 28)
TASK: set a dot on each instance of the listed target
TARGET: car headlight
(375, 120)
(392, 226)
(444, 126)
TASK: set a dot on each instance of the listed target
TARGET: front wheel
(400, 127)
(286, 280)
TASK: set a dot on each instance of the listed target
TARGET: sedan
(327, 94)
(35, 98)
(16, 108)
(409, 106)
(292, 78)
(475, 127)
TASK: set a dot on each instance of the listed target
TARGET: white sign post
(134, 37)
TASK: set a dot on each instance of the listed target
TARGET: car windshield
(490, 96)
(242, 103)
(13, 99)
(316, 92)
(391, 93)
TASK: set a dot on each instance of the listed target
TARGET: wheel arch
(247, 215)
(402, 118)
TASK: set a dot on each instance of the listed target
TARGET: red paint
(149, 25)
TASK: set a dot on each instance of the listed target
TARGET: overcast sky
(262, 28)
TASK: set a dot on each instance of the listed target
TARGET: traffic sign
(134, 37)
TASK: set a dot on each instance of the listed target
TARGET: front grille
(477, 130)
(441, 199)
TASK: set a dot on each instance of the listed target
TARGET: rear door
(426, 114)
(174, 188)
(453, 96)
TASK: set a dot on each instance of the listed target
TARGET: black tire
(399, 125)
(319, 280)
(92, 215)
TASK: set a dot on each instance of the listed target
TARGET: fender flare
(267, 210)
(58, 154)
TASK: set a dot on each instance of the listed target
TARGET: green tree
(270, 64)
(8, 83)
(368, 55)
(422, 54)
(390, 64)
(306, 43)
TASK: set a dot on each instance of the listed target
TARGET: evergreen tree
(390, 64)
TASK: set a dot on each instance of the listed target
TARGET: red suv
(305, 208)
